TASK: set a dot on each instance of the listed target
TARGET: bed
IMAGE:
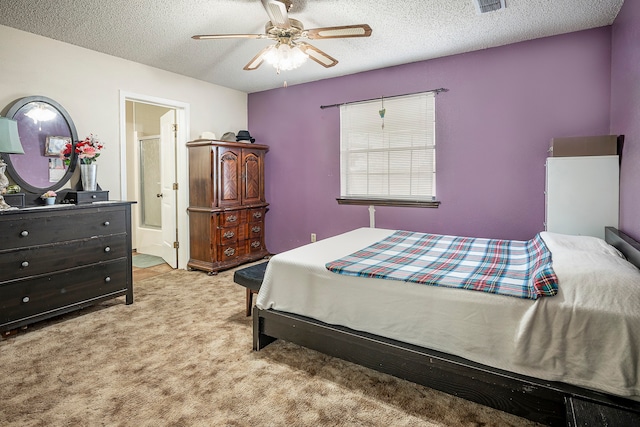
(523, 356)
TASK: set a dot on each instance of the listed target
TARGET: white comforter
(587, 335)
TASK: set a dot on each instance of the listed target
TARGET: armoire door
(252, 177)
(229, 162)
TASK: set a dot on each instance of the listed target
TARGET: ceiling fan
(288, 52)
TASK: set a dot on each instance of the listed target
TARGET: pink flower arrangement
(88, 150)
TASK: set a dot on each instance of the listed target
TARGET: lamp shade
(9, 138)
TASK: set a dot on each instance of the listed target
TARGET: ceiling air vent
(484, 6)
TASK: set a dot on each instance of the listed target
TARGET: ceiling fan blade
(229, 36)
(360, 30)
(277, 12)
(257, 60)
(317, 55)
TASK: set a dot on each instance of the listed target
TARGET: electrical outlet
(313, 237)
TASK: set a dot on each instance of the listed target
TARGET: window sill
(389, 202)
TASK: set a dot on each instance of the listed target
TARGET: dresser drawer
(34, 260)
(31, 230)
(30, 297)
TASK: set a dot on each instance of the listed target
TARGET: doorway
(155, 132)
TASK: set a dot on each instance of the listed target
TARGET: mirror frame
(17, 105)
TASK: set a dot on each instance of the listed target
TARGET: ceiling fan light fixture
(284, 56)
(42, 113)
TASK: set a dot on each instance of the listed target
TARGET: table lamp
(10, 144)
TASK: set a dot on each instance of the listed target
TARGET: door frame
(182, 169)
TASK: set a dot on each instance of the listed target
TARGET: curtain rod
(436, 91)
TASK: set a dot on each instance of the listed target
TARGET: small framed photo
(55, 145)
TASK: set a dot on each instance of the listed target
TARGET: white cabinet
(582, 194)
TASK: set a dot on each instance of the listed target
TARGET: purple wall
(625, 110)
(493, 130)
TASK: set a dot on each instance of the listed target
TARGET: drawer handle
(107, 249)
(229, 251)
(228, 234)
(24, 233)
(25, 264)
(255, 244)
(25, 299)
(232, 218)
(93, 196)
(256, 229)
(107, 279)
(257, 214)
(106, 223)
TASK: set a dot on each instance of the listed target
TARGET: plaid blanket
(508, 267)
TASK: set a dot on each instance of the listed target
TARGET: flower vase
(88, 174)
(50, 201)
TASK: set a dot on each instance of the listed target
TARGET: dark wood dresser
(60, 258)
(226, 204)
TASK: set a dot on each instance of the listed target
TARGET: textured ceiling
(158, 32)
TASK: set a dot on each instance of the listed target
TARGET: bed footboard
(497, 389)
(542, 401)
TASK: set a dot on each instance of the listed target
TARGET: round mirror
(45, 128)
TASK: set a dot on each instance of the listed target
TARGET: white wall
(88, 84)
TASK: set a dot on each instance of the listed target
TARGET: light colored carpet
(181, 356)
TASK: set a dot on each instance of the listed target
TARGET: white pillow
(590, 244)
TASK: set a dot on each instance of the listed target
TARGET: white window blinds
(390, 158)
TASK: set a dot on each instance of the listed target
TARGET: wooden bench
(251, 278)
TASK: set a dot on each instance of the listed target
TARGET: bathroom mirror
(44, 127)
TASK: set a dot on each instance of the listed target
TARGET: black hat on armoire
(244, 135)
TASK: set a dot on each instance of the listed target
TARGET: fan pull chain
(382, 112)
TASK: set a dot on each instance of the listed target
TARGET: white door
(169, 193)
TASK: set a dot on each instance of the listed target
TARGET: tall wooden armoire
(226, 204)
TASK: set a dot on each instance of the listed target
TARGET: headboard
(625, 244)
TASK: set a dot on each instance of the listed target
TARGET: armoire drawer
(226, 253)
(228, 235)
(256, 245)
(255, 230)
(34, 260)
(231, 218)
(31, 230)
(255, 215)
(30, 297)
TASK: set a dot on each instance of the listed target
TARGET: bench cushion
(251, 277)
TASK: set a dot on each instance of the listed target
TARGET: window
(387, 151)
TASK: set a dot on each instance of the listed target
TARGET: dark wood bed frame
(547, 402)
